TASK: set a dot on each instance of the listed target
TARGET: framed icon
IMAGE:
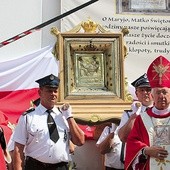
(91, 66)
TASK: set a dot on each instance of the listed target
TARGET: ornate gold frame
(91, 67)
(92, 71)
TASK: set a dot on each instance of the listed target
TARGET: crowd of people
(46, 135)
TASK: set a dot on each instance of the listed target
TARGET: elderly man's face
(161, 97)
(48, 96)
(144, 95)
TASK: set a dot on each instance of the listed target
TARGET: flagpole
(38, 27)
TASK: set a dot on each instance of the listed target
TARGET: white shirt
(112, 159)
(125, 116)
(10, 145)
(32, 131)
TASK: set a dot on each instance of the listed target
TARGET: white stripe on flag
(21, 73)
(18, 86)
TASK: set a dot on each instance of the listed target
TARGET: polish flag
(17, 83)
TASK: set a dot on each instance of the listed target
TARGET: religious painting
(89, 70)
(92, 66)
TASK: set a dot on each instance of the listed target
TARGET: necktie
(54, 136)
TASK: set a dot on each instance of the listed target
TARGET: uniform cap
(159, 72)
(142, 81)
(50, 80)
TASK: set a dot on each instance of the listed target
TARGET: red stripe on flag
(14, 103)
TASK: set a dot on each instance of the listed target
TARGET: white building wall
(19, 16)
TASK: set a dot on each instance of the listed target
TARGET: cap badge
(52, 77)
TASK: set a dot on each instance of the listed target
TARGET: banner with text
(149, 34)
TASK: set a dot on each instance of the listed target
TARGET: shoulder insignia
(28, 111)
(127, 112)
(130, 110)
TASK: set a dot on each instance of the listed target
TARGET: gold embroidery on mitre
(160, 70)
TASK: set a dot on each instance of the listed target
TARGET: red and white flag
(17, 81)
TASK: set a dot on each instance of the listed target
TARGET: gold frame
(107, 48)
(107, 95)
